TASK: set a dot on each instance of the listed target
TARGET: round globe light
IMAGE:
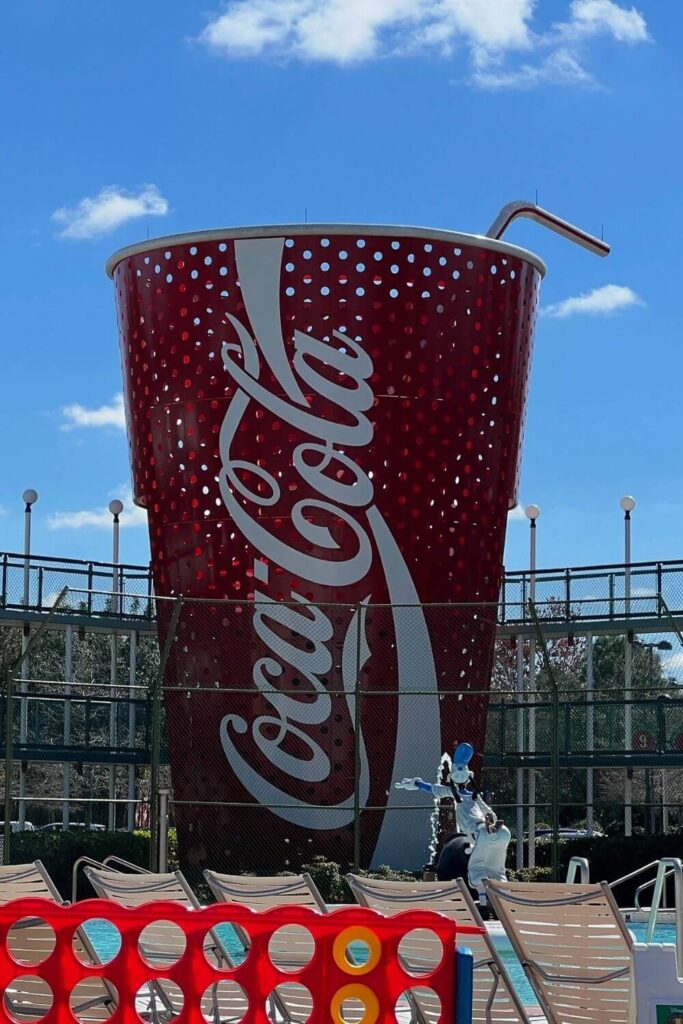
(627, 503)
(30, 496)
(116, 507)
(532, 512)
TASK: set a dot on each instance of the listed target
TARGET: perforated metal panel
(324, 418)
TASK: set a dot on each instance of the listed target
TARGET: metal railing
(666, 867)
(588, 731)
(578, 866)
(595, 592)
(90, 583)
(570, 594)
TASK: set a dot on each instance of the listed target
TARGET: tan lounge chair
(261, 893)
(31, 941)
(573, 945)
(494, 998)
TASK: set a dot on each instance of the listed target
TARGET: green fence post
(156, 739)
(9, 719)
(357, 746)
(9, 742)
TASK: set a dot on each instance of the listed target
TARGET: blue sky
(166, 117)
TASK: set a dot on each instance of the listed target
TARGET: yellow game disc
(356, 934)
(361, 992)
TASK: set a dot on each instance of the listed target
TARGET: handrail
(85, 562)
(666, 866)
(91, 862)
(144, 570)
(81, 686)
(112, 858)
(677, 870)
(79, 862)
(633, 874)
(646, 885)
(580, 865)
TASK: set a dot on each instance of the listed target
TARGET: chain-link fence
(287, 726)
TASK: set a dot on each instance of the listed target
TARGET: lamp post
(29, 497)
(520, 746)
(590, 733)
(663, 645)
(627, 505)
(68, 678)
(132, 675)
(532, 513)
(116, 508)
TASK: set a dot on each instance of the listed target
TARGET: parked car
(16, 826)
(59, 826)
(546, 834)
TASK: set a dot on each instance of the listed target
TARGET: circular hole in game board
(226, 945)
(161, 943)
(289, 1001)
(93, 999)
(30, 941)
(291, 947)
(27, 999)
(96, 941)
(224, 1001)
(420, 1003)
(159, 1000)
(420, 951)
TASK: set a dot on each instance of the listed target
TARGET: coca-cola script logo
(322, 446)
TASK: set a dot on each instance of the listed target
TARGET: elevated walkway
(578, 600)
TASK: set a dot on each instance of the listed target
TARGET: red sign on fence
(643, 741)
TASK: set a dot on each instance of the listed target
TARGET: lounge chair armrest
(576, 979)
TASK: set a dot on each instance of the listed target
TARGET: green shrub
(384, 872)
(329, 880)
(531, 875)
(333, 887)
(59, 850)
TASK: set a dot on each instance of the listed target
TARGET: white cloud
(559, 68)
(492, 31)
(112, 415)
(101, 518)
(343, 31)
(600, 302)
(108, 210)
(593, 17)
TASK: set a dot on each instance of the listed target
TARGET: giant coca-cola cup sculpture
(324, 416)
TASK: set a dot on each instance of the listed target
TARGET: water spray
(444, 766)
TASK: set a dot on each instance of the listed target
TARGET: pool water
(107, 942)
(663, 933)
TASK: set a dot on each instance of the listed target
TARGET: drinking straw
(525, 208)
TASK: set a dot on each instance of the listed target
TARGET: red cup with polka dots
(325, 426)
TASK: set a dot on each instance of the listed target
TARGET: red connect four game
(174, 963)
